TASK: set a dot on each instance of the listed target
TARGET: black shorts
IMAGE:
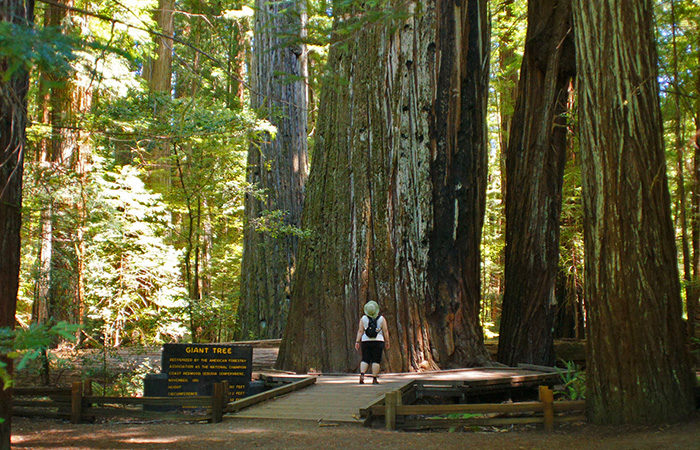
(372, 351)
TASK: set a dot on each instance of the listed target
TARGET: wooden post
(87, 387)
(217, 403)
(76, 402)
(227, 393)
(390, 400)
(87, 392)
(547, 399)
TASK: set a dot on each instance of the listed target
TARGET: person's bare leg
(363, 369)
(375, 373)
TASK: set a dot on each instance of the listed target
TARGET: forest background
(139, 188)
(142, 245)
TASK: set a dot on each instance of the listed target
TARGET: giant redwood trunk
(535, 174)
(395, 199)
(638, 367)
(13, 119)
(277, 170)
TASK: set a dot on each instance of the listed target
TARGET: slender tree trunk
(638, 368)
(577, 303)
(535, 173)
(40, 306)
(396, 196)
(207, 244)
(277, 166)
(196, 292)
(189, 233)
(13, 119)
(83, 102)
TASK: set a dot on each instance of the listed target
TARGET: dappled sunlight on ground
(247, 433)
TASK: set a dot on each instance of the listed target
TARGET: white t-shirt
(365, 324)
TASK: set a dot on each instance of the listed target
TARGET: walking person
(372, 338)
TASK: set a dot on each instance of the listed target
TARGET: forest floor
(246, 433)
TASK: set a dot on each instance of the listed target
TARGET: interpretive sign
(194, 368)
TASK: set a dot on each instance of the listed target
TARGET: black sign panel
(194, 368)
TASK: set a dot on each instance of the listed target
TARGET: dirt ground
(248, 433)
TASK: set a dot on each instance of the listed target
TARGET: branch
(147, 30)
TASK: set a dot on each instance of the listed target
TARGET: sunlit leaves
(26, 344)
(245, 13)
(46, 48)
(276, 224)
(133, 279)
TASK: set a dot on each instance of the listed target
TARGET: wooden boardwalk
(331, 399)
(338, 399)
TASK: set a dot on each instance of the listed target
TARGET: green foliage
(132, 277)
(571, 246)
(26, 344)
(112, 374)
(684, 18)
(194, 151)
(677, 29)
(492, 245)
(129, 383)
(274, 224)
(574, 380)
(509, 26)
(507, 41)
(455, 416)
(145, 252)
(46, 48)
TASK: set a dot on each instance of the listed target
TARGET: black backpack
(371, 331)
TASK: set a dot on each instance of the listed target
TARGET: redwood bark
(237, 58)
(638, 368)
(395, 199)
(535, 173)
(277, 166)
(161, 72)
(13, 119)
